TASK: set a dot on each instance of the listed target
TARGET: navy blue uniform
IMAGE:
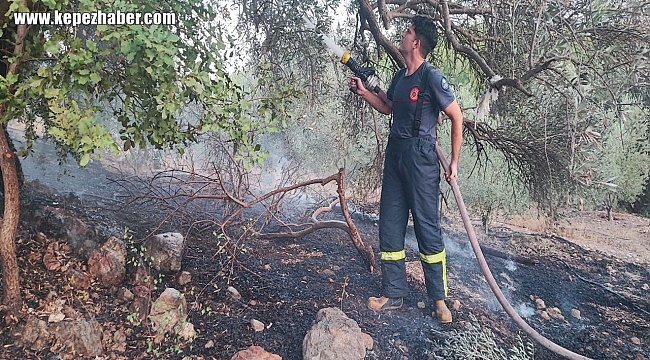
(411, 181)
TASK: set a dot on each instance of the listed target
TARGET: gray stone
(184, 278)
(257, 325)
(35, 334)
(108, 263)
(81, 337)
(78, 279)
(334, 336)
(169, 315)
(165, 251)
(125, 294)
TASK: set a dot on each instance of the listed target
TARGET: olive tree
(63, 76)
(544, 73)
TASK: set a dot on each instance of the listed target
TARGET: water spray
(366, 74)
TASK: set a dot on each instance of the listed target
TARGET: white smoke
(525, 310)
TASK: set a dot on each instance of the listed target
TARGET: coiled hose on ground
(492, 282)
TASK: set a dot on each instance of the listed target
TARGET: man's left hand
(453, 167)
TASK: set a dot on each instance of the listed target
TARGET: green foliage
(489, 189)
(147, 75)
(477, 342)
(621, 163)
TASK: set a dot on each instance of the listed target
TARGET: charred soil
(283, 283)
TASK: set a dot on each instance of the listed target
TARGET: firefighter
(411, 178)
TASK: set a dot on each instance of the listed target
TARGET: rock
(421, 305)
(41, 237)
(119, 341)
(635, 340)
(168, 311)
(255, 353)
(267, 267)
(141, 275)
(544, 315)
(55, 318)
(645, 287)
(639, 357)
(539, 303)
(187, 331)
(209, 344)
(125, 294)
(165, 251)
(139, 309)
(50, 259)
(60, 223)
(108, 263)
(78, 279)
(575, 313)
(257, 325)
(234, 293)
(35, 335)
(334, 336)
(80, 236)
(184, 278)
(555, 313)
(81, 337)
(455, 305)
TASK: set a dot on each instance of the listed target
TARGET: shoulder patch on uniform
(444, 84)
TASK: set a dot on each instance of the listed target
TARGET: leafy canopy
(162, 85)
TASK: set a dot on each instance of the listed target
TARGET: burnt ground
(284, 283)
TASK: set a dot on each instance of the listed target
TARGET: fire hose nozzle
(367, 74)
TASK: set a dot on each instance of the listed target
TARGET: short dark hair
(427, 32)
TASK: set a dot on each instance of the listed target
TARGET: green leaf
(52, 93)
(95, 78)
(85, 159)
(12, 78)
(91, 45)
(52, 47)
(36, 82)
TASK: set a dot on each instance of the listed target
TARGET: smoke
(510, 265)
(525, 310)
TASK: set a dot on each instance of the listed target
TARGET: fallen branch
(310, 227)
(348, 226)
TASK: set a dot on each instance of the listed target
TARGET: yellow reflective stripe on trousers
(432, 259)
(393, 255)
(440, 257)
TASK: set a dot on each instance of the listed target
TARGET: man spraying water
(411, 178)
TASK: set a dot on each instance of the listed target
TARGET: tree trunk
(11, 295)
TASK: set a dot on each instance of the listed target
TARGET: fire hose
(370, 80)
(490, 279)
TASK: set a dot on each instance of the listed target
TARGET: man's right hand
(379, 102)
(357, 86)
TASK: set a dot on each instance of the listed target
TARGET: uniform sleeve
(441, 90)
